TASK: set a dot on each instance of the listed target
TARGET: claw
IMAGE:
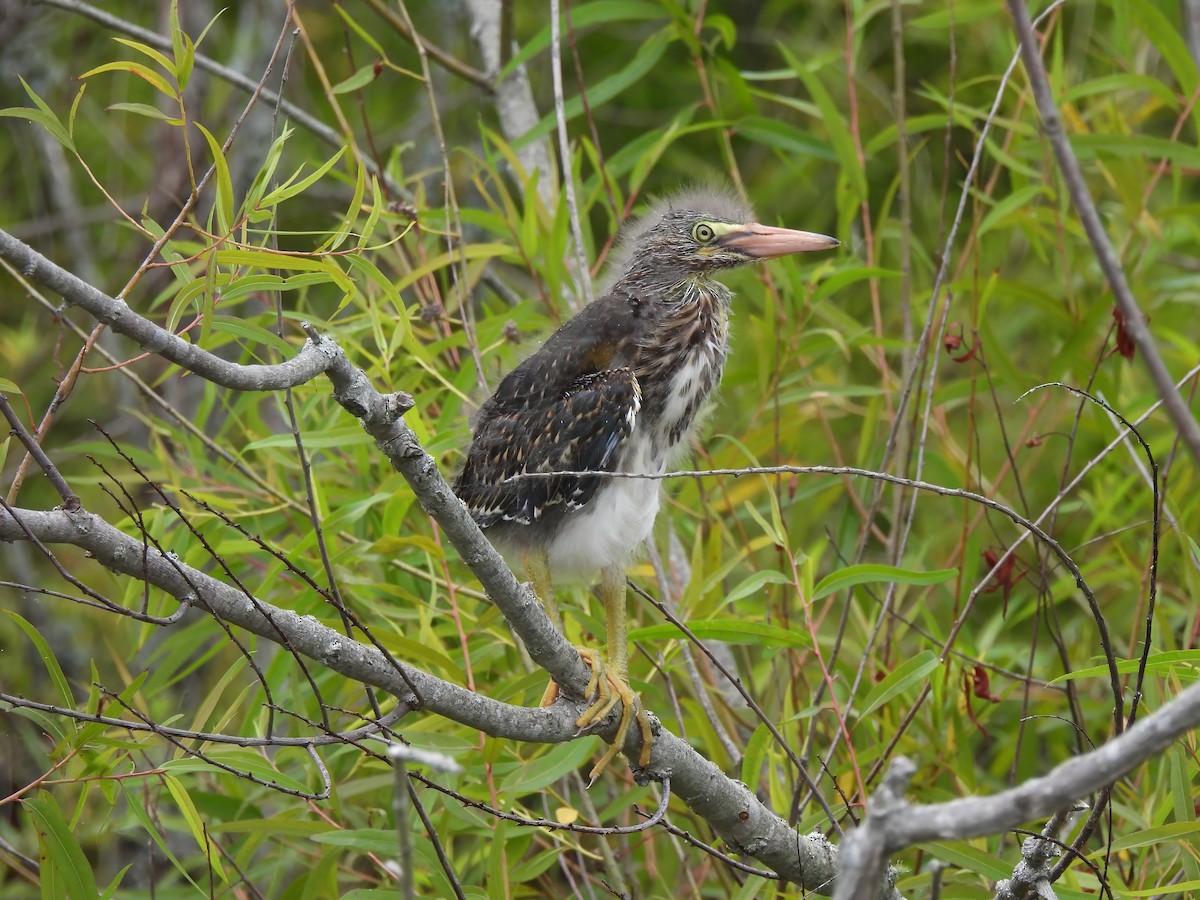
(607, 690)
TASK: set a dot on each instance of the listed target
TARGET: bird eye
(703, 232)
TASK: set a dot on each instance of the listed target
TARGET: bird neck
(672, 289)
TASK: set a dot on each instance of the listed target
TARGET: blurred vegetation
(796, 103)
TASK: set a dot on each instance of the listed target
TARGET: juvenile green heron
(615, 390)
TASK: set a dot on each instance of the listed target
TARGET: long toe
(643, 721)
(601, 686)
(627, 715)
(630, 710)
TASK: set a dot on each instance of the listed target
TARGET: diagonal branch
(1106, 256)
(310, 362)
(743, 822)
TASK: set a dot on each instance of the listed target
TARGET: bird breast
(679, 365)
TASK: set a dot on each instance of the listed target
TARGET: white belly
(619, 518)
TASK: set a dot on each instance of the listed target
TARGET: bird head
(703, 231)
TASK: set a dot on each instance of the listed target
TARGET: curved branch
(745, 824)
(310, 362)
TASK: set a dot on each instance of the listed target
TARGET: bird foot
(610, 689)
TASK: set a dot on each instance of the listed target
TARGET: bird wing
(575, 429)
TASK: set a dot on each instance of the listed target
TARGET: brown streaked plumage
(615, 390)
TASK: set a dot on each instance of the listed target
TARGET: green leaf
(147, 50)
(224, 204)
(289, 190)
(548, 768)
(148, 75)
(834, 121)
(638, 68)
(1184, 663)
(600, 13)
(364, 840)
(755, 583)
(65, 870)
(239, 759)
(908, 674)
(195, 823)
(868, 573)
(785, 137)
(1168, 41)
(144, 109)
(731, 631)
(43, 116)
(48, 658)
(359, 79)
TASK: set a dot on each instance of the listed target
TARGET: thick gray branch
(745, 824)
(304, 634)
(1058, 789)
(895, 825)
(1107, 257)
(736, 815)
(116, 314)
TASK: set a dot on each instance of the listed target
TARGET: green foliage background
(795, 102)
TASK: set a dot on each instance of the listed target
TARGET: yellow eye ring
(703, 233)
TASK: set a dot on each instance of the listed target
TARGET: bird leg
(537, 570)
(616, 674)
(609, 683)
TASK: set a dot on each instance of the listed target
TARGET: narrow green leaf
(868, 573)
(195, 823)
(224, 205)
(147, 50)
(1178, 662)
(755, 583)
(43, 116)
(834, 121)
(638, 68)
(359, 79)
(65, 868)
(908, 674)
(48, 658)
(135, 68)
(289, 190)
(599, 13)
(240, 759)
(144, 109)
(731, 631)
(547, 768)
(364, 840)
(785, 137)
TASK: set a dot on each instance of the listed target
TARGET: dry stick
(564, 159)
(459, 272)
(70, 499)
(1110, 264)
(923, 342)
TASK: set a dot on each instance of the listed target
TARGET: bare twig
(1106, 256)
(583, 276)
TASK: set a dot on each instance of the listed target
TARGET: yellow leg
(537, 570)
(609, 683)
(612, 594)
